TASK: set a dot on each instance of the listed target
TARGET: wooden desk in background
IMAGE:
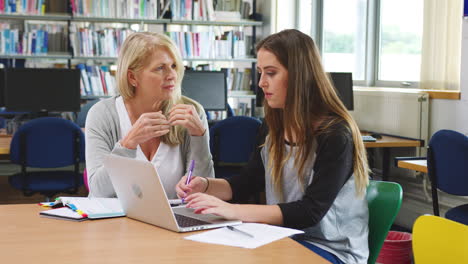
(416, 165)
(386, 143)
(5, 145)
(26, 238)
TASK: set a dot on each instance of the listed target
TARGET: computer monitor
(343, 82)
(209, 88)
(42, 90)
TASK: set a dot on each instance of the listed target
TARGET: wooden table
(419, 165)
(416, 165)
(25, 237)
(5, 141)
(388, 142)
(393, 142)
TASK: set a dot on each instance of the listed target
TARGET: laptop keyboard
(185, 221)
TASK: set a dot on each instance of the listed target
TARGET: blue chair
(232, 140)
(81, 117)
(47, 142)
(448, 170)
(229, 111)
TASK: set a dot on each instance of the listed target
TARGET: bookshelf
(70, 16)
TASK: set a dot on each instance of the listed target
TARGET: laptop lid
(141, 193)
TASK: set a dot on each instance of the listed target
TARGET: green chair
(384, 201)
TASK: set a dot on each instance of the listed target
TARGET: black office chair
(448, 170)
(47, 142)
(232, 140)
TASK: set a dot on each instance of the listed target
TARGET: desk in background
(27, 237)
(386, 143)
(416, 165)
(5, 141)
(419, 165)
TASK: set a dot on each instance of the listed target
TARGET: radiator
(398, 112)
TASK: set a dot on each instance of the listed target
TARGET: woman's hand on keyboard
(208, 204)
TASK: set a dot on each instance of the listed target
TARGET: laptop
(141, 193)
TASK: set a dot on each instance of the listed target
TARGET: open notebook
(82, 208)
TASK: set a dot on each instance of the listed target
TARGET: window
(400, 40)
(379, 41)
(304, 14)
(344, 32)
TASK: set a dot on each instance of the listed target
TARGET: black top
(332, 168)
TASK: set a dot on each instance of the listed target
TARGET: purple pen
(189, 176)
(190, 171)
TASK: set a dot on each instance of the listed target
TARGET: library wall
(209, 37)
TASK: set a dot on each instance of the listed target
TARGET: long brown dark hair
(311, 108)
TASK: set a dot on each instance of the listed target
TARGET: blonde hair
(133, 56)
(310, 96)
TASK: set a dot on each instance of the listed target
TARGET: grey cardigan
(103, 135)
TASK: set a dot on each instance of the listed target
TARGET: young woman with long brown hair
(311, 161)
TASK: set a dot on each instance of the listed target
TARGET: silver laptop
(141, 193)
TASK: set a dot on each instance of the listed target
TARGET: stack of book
(202, 10)
(102, 42)
(115, 8)
(96, 80)
(210, 45)
(38, 39)
(239, 80)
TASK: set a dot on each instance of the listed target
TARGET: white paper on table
(263, 234)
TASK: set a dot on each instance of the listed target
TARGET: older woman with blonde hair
(150, 120)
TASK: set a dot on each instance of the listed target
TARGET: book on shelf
(239, 80)
(242, 109)
(232, 10)
(146, 9)
(89, 42)
(197, 10)
(37, 39)
(32, 7)
(211, 44)
(96, 80)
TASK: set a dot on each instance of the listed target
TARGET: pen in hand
(240, 231)
(189, 176)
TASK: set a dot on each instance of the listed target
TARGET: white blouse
(167, 160)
